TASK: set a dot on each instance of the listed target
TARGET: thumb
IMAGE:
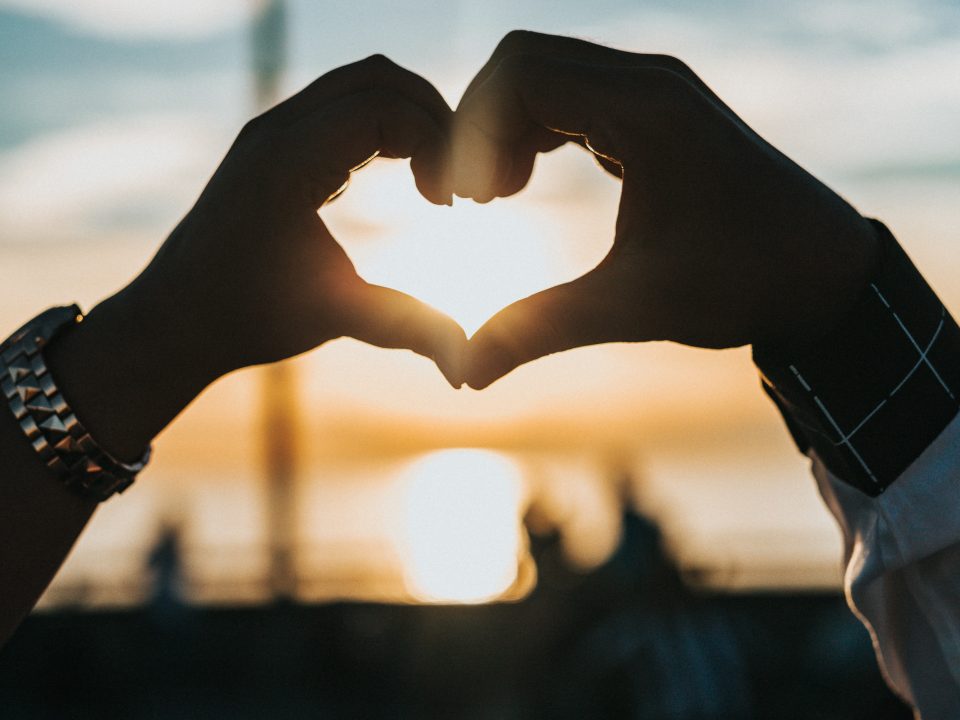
(391, 319)
(529, 104)
(563, 317)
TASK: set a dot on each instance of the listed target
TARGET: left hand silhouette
(253, 273)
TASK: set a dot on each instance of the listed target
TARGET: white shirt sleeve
(902, 579)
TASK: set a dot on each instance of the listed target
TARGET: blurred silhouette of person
(721, 241)
(165, 562)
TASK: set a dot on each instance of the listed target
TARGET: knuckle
(260, 139)
(516, 41)
(672, 64)
(379, 63)
(254, 127)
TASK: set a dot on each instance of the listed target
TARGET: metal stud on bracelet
(45, 417)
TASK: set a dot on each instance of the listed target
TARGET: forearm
(132, 365)
(122, 375)
(39, 522)
(250, 276)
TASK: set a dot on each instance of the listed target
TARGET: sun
(461, 537)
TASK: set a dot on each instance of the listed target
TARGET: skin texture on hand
(720, 239)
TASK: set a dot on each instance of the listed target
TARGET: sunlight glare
(468, 260)
(461, 530)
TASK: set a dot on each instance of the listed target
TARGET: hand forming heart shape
(252, 275)
(720, 239)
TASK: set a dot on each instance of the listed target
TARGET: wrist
(873, 392)
(129, 368)
(819, 297)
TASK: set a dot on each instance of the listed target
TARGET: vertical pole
(279, 408)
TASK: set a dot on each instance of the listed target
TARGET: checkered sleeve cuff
(881, 385)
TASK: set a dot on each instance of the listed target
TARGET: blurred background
(618, 531)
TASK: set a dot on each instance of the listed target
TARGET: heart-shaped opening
(471, 260)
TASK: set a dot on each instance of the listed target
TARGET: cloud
(893, 22)
(123, 177)
(843, 87)
(167, 18)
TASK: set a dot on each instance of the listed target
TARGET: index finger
(528, 42)
(389, 318)
(527, 105)
(372, 73)
(326, 146)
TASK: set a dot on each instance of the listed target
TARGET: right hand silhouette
(721, 240)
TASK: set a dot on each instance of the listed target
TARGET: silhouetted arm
(722, 241)
(250, 275)
(124, 372)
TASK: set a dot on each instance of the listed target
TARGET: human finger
(326, 146)
(575, 314)
(371, 73)
(530, 104)
(527, 42)
(389, 318)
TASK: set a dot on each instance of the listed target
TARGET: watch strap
(46, 418)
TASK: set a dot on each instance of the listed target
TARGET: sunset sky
(114, 114)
